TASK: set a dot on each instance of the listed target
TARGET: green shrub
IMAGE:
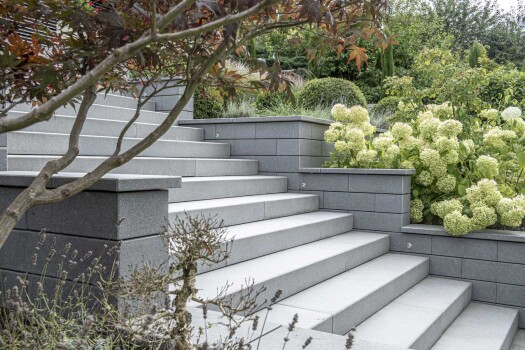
(469, 176)
(326, 92)
(206, 105)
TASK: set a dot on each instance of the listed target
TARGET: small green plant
(469, 176)
(326, 92)
(206, 105)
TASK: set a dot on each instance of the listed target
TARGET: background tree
(76, 48)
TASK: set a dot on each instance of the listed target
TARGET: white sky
(507, 4)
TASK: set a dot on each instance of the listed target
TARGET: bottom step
(419, 317)
(481, 327)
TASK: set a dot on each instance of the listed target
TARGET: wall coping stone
(108, 183)
(358, 171)
(493, 235)
(297, 118)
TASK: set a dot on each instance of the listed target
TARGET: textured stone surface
(465, 248)
(380, 221)
(419, 317)
(22, 142)
(3, 158)
(401, 242)
(38, 246)
(108, 183)
(97, 214)
(510, 295)
(368, 288)
(445, 266)
(480, 327)
(3, 140)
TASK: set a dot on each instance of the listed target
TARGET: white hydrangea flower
(339, 112)
(489, 114)
(511, 113)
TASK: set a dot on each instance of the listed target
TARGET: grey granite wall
(282, 145)
(118, 220)
(493, 261)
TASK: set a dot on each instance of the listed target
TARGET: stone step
(105, 127)
(33, 143)
(116, 100)
(240, 210)
(480, 327)
(420, 316)
(294, 270)
(200, 188)
(519, 340)
(256, 239)
(344, 301)
(144, 165)
(112, 113)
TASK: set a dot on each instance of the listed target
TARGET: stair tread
(188, 142)
(326, 299)
(480, 327)
(230, 178)
(235, 201)
(281, 263)
(402, 322)
(279, 224)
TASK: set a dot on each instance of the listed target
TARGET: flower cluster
(469, 175)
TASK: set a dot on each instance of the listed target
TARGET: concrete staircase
(336, 278)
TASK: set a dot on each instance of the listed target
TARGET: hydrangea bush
(469, 176)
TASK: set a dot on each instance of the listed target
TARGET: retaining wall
(117, 220)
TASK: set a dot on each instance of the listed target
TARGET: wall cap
(493, 235)
(108, 183)
(256, 120)
(358, 171)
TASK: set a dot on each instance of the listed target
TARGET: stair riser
(199, 190)
(301, 279)
(250, 212)
(260, 245)
(103, 127)
(145, 166)
(57, 144)
(346, 319)
(122, 101)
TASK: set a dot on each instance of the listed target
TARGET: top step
(114, 100)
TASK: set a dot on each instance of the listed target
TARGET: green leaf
(521, 159)
(415, 194)
(462, 190)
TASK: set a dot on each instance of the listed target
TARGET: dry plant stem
(181, 301)
(25, 200)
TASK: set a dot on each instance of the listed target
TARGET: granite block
(386, 222)
(464, 248)
(509, 294)
(389, 184)
(511, 252)
(445, 266)
(104, 214)
(392, 203)
(325, 182)
(255, 147)
(350, 201)
(235, 131)
(401, 242)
